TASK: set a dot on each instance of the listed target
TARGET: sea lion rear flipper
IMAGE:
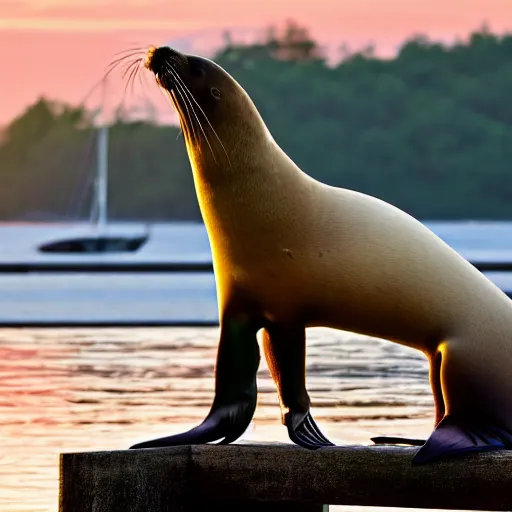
(398, 440)
(454, 436)
(303, 430)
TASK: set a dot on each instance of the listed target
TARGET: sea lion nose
(157, 57)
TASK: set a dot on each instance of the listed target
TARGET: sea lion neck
(258, 182)
(229, 150)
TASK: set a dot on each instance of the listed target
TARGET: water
(66, 390)
(162, 298)
(87, 389)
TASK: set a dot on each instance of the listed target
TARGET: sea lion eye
(215, 93)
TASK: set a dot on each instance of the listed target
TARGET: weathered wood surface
(279, 477)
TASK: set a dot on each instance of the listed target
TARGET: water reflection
(67, 390)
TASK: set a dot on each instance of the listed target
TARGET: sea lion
(290, 253)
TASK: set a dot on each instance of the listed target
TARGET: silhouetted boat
(99, 240)
(96, 244)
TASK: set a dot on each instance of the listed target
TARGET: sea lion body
(325, 256)
(290, 253)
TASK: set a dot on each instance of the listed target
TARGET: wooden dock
(279, 477)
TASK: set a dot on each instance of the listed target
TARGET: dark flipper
(285, 351)
(398, 440)
(455, 436)
(227, 423)
(303, 431)
(238, 358)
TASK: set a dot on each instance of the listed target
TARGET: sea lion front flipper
(398, 440)
(455, 436)
(228, 422)
(234, 404)
(285, 351)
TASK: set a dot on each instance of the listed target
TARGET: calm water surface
(64, 390)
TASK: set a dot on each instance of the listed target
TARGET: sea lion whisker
(113, 67)
(130, 60)
(132, 69)
(189, 121)
(173, 101)
(143, 84)
(200, 125)
(139, 49)
(198, 121)
(114, 63)
(186, 125)
(169, 96)
(207, 120)
(131, 79)
(137, 73)
(189, 95)
(130, 66)
(206, 117)
(184, 96)
(107, 73)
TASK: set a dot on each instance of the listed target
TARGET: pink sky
(60, 48)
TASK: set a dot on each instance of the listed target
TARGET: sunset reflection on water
(66, 390)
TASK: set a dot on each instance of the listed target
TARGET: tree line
(429, 131)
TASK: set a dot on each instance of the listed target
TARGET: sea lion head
(217, 116)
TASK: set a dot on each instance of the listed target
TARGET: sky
(61, 48)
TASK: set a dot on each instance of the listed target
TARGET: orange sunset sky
(60, 48)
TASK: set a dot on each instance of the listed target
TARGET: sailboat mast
(102, 176)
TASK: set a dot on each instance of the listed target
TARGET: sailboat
(100, 240)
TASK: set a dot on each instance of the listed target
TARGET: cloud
(123, 10)
(62, 24)
(10, 8)
(99, 15)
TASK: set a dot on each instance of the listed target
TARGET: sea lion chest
(262, 243)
